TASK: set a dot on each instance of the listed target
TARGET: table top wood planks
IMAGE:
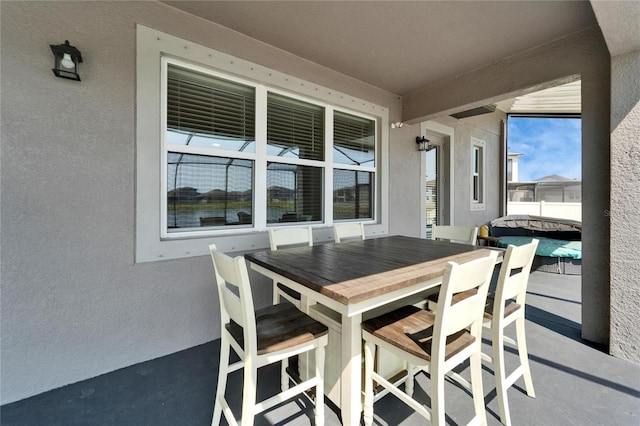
(354, 271)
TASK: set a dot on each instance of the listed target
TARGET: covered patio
(110, 315)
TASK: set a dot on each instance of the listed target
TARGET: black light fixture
(423, 143)
(66, 60)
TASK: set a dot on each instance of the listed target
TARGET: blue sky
(550, 146)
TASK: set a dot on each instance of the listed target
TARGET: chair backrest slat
(515, 271)
(290, 236)
(473, 277)
(351, 230)
(232, 271)
(462, 234)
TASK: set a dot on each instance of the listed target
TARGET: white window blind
(206, 105)
(294, 128)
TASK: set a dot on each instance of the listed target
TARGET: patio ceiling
(400, 46)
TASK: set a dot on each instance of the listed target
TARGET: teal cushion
(547, 247)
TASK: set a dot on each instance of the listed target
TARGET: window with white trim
(477, 174)
(213, 157)
(210, 144)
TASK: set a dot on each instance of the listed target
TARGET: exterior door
(434, 208)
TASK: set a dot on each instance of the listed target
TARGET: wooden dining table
(356, 278)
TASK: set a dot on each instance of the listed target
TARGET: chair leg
(497, 344)
(368, 383)
(408, 384)
(284, 377)
(524, 356)
(276, 295)
(249, 392)
(320, 385)
(222, 381)
(476, 385)
(437, 395)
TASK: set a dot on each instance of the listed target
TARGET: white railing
(571, 211)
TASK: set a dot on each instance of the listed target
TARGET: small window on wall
(477, 174)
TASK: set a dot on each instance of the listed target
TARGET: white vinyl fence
(546, 208)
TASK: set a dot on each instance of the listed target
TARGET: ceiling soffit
(399, 46)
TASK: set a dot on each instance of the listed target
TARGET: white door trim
(448, 135)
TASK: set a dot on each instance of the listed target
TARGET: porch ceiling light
(66, 60)
(423, 143)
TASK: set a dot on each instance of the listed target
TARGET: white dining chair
(280, 238)
(504, 307)
(435, 343)
(260, 338)
(288, 237)
(456, 234)
(348, 231)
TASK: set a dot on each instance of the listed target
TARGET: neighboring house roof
(554, 178)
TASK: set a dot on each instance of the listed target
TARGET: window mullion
(260, 173)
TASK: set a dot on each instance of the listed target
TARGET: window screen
(208, 191)
(352, 195)
(294, 193)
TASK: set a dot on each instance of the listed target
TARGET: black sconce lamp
(423, 143)
(66, 62)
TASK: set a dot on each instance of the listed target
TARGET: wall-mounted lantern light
(66, 60)
(423, 143)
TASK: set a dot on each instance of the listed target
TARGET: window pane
(476, 160)
(294, 193)
(207, 111)
(208, 191)
(352, 195)
(354, 140)
(294, 128)
(476, 188)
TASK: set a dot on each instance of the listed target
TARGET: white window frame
(478, 175)
(352, 167)
(154, 50)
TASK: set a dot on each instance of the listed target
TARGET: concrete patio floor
(576, 383)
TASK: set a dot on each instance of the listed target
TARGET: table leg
(351, 379)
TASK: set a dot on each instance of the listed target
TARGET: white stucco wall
(407, 175)
(584, 54)
(485, 127)
(74, 303)
(625, 206)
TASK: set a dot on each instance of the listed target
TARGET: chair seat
(292, 293)
(280, 327)
(411, 329)
(509, 308)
